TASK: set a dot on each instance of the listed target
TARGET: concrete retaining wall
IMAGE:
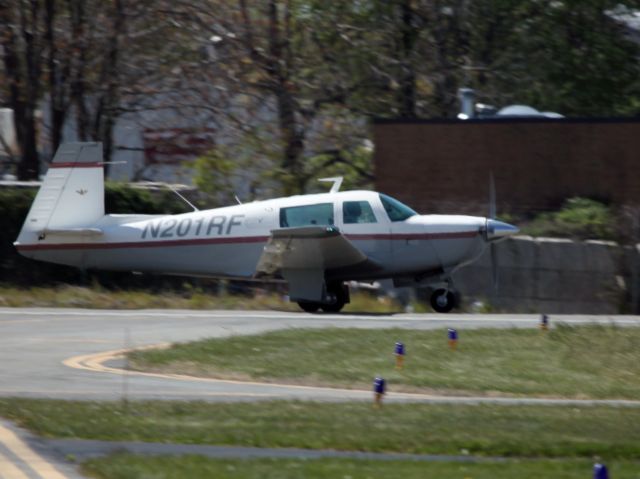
(554, 276)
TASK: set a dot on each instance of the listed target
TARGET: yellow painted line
(12, 442)
(8, 470)
(95, 363)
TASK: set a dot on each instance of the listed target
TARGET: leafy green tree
(289, 69)
(273, 94)
(213, 175)
(353, 166)
(554, 55)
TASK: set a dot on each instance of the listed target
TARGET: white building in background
(161, 141)
(629, 18)
(157, 145)
(469, 109)
(8, 144)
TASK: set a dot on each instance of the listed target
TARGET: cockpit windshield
(396, 210)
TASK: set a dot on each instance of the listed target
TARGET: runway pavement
(74, 354)
(68, 353)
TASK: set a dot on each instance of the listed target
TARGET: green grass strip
(124, 466)
(489, 430)
(576, 362)
(95, 297)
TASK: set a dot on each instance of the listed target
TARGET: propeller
(494, 265)
(492, 197)
(495, 231)
(492, 245)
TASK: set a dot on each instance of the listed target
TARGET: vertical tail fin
(72, 194)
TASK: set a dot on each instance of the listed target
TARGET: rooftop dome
(526, 111)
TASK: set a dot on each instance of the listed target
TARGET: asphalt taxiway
(73, 354)
(76, 354)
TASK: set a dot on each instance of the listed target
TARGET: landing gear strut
(443, 300)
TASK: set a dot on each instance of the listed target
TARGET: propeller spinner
(495, 231)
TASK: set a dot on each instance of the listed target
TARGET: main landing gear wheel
(340, 294)
(443, 300)
(309, 306)
(333, 307)
(337, 297)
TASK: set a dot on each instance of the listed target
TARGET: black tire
(341, 294)
(309, 306)
(333, 307)
(443, 301)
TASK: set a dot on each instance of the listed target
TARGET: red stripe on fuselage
(233, 240)
(143, 244)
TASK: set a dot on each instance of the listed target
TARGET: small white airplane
(315, 242)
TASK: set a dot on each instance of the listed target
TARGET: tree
(554, 55)
(257, 82)
(302, 76)
(22, 45)
(80, 58)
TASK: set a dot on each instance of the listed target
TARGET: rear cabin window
(309, 215)
(357, 212)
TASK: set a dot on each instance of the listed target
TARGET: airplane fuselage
(313, 242)
(228, 242)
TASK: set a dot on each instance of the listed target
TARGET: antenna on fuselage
(337, 183)
(182, 197)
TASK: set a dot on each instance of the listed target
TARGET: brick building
(443, 166)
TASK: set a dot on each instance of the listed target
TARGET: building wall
(443, 166)
(548, 275)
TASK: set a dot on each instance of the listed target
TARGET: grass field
(578, 362)
(484, 430)
(67, 296)
(538, 441)
(124, 466)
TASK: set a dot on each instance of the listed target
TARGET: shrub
(579, 218)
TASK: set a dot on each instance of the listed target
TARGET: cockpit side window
(308, 215)
(357, 212)
(396, 210)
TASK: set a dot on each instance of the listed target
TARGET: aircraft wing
(308, 247)
(303, 255)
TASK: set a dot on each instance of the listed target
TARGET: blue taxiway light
(600, 471)
(453, 338)
(399, 352)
